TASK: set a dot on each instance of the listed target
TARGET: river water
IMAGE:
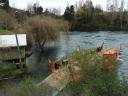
(88, 40)
(38, 62)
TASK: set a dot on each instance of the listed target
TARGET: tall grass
(10, 71)
(27, 87)
(7, 20)
(98, 77)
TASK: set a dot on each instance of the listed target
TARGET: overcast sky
(22, 4)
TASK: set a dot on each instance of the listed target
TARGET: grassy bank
(98, 77)
(10, 71)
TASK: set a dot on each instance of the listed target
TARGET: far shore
(91, 29)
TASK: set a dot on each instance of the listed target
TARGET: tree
(46, 12)
(72, 12)
(121, 13)
(90, 9)
(20, 16)
(44, 29)
(34, 9)
(67, 13)
(29, 9)
(7, 20)
(35, 6)
(5, 3)
(39, 10)
(98, 9)
(55, 11)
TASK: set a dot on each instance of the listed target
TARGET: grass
(26, 88)
(9, 70)
(98, 77)
(5, 32)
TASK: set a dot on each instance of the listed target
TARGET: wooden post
(18, 48)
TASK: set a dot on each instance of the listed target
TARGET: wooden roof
(10, 40)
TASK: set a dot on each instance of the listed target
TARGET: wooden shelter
(12, 47)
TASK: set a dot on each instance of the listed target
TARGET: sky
(61, 4)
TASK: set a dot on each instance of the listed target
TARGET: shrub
(95, 79)
(7, 20)
(43, 28)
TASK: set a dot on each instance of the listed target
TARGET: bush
(9, 71)
(97, 79)
(43, 28)
(7, 20)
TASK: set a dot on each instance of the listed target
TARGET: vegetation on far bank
(84, 16)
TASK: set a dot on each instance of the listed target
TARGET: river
(88, 40)
(38, 62)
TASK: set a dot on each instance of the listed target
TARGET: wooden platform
(55, 82)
